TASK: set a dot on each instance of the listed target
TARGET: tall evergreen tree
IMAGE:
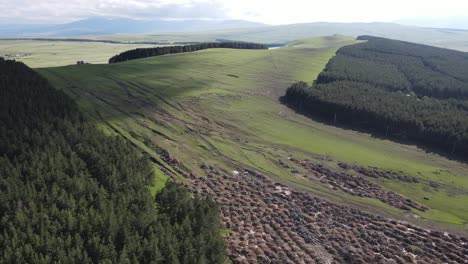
(396, 89)
(70, 194)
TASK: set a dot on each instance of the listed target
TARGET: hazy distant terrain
(130, 30)
(445, 38)
(102, 25)
(458, 22)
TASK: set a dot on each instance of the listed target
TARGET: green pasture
(38, 54)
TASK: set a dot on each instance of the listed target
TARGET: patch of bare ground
(358, 185)
(271, 223)
(378, 173)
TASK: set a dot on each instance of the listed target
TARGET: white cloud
(267, 11)
(70, 10)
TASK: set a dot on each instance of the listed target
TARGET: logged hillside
(70, 194)
(152, 52)
(303, 191)
(396, 89)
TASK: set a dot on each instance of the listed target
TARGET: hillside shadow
(377, 134)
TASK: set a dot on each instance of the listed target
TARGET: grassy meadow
(37, 54)
(221, 106)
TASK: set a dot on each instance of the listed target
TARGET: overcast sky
(266, 11)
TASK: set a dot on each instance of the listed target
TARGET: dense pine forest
(151, 52)
(393, 88)
(70, 194)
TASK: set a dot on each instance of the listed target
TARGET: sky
(266, 11)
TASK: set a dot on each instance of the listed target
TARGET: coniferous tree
(158, 51)
(70, 194)
(396, 89)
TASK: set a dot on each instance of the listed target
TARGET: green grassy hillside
(221, 107)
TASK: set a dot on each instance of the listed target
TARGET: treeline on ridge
(70, 194)
(393, 88)
(158, 51)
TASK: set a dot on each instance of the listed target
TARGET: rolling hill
(212, 120)
(445, 38)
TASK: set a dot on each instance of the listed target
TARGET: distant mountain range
(440, 37)
(234, 30)
(102, 26)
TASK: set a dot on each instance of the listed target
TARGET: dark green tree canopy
(396, 89)
(158, 51)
